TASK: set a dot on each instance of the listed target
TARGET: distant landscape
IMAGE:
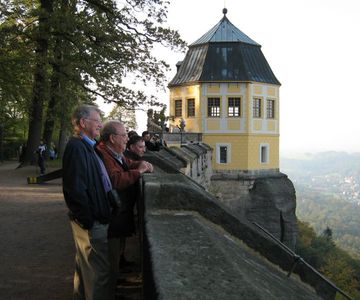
(328, 194)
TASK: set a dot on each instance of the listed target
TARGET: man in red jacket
(123, 174)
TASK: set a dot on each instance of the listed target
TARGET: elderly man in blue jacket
(86, 185)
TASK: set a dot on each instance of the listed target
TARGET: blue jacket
(82, 185)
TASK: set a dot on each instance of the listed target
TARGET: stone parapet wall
(192, 159)
(198, 248)
(181, 242)
(263, 196)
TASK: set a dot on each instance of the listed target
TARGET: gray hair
(109, 128)
(83, 111)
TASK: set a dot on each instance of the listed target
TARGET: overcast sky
(312, 46)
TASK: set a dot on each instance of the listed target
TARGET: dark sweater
(82, 185)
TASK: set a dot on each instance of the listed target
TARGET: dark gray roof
(224, 54)
(224, 31)
(236, 62)
(191, 67)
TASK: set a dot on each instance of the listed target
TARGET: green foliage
(56, 54)
(336, 264)
(16, 67)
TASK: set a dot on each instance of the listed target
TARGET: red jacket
(120, 178)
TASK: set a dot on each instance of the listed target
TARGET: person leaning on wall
(136, 148)
(86, 185)
(150, 143)
(124, 173)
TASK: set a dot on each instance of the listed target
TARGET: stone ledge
(177, 193)
(246, 175)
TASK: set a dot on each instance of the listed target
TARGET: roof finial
(224, 11)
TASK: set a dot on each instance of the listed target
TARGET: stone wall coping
(177, 193)
(246, 176)
(195, 149)
(187, 155)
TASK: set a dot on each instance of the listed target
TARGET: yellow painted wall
(245, 151)
(239, 150)
(257, 124)
(258, 89)
(245, 147)
(248, 106)
(271, 91)
(254, 152)
(234, 124)
(234, 88)
(271, 125)
(213, 124)
(213, 88)
(190, 90)
(193, 124)
(175, 92)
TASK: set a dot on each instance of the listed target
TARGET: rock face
(272, 205)
(269, 200)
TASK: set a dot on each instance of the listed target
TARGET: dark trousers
(41, 163)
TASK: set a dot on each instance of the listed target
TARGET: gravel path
(36, 248)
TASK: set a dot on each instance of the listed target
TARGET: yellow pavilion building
(225, 89)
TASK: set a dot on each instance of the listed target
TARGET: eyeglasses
(95, 120)
(121, 134)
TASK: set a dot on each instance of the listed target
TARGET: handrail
(298, 259)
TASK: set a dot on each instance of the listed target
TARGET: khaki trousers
(92, 280)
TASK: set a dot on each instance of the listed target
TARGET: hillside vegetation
(336, 264)
(328, 194)
(328, 208)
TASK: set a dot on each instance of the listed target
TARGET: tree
(16, 69)
(125, 115)
(94, 47)
(327, 233)
(322, 253)
(40, 84)
(338, 270)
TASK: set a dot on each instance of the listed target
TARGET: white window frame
(267, 153)
(228, 153)
(257, 108)
(213, 111)
(233, 107)
(270, 109)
